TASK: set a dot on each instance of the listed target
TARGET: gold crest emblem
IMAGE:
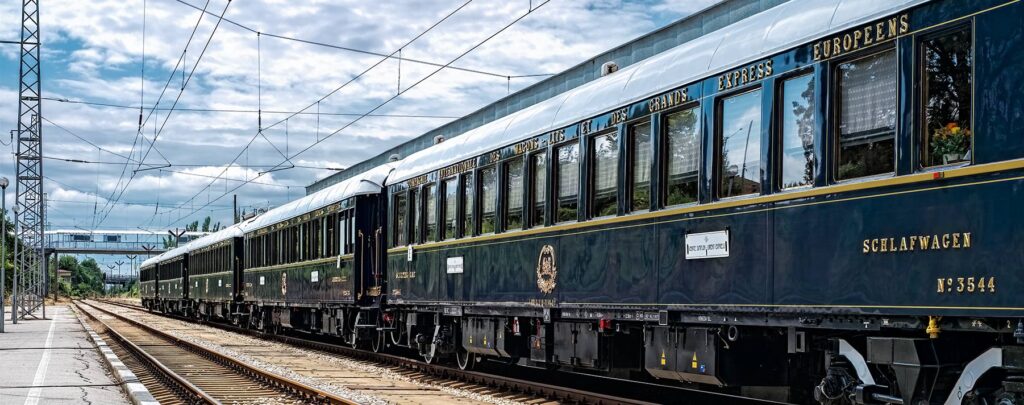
(547, 273)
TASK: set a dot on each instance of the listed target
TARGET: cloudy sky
(94, 51)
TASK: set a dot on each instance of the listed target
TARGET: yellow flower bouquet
(950, 143)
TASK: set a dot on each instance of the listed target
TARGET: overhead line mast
(30, 276)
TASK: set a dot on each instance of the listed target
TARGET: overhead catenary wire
(156, 104)
(332, 92)
(385, 102)
(247, 111)
(167, 118)
(267, 166)
(365, 52)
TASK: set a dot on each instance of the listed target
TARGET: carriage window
(514, 194)
(682, 133)
(467, 204)
(451, 200)
(797, 114)
(488, 199)
(540, 175)
(640, 135)
(947, 98)
(343, 225)
(568, 184)
(739, 145)
(867, 118)
(398, 214)
(416, 218)
(431, 212)
(605, 150)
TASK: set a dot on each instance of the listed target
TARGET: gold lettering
(847, 42)
(924, 242)
(836, 46)
(913, 242)
(827, 48)
(904, 24)
(884, 243)
(892, 27)
(967, 240)
(945, 241)
(760, 71)
(735, 79)
(743, 76)
(874, 245)
(879, 34)
(856, 39)
(903, 244)
(867, 246)
(959, 284)
(867, 35)
(941, 285)
(956, 241)
(935, 242)
(817, 53)
(768, 67)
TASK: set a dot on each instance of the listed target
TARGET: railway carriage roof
(170, 254)
(758, 36)
(369, 182)
(233, 231)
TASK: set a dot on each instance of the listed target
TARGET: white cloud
(93, 50)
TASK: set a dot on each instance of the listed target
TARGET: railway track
(176, 371)
(636, 393)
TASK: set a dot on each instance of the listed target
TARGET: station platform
(53, 361)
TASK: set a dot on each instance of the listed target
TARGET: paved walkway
(52, 361)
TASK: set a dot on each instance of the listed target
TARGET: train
(820, 203)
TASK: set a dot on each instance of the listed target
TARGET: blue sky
(93, 52)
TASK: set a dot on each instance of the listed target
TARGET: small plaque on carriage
(707, 245)
(455, 265)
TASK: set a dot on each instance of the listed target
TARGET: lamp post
(3, 248)
(131, 265)
(14, 283)
(111, 267)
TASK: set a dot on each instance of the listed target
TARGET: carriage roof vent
(393, 158)
(608, 68)
(438, 139)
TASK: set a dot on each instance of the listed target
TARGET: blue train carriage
(315, 264)
(172, 285)
(148, 282)
(215, 263)
(817, 203)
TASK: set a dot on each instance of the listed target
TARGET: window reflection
(740, 145)
(451, 200)
(540, 176)
(467, 204)
(797, 113)
(568, 186)
(605, 150)
(682, 156)
(488, 199)
(514, 194)
(431, 213)
(400, 223)
(641, 138)
(947, 98)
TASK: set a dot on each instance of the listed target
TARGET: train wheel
(465, 359)
(396, 329)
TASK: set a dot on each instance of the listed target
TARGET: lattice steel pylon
(30, 273)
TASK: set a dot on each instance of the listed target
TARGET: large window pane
(540, 175)
(641, 139)
(740, 145)
(451, 201)
(682, 156)
(416, 218)
(797, 114)
(467, 204)
(867, 119)
(514, 194)
(605, 150)
(568, 185)
(431, 212)
(947, 98)
(488, 199)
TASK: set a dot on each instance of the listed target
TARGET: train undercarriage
(825, 360)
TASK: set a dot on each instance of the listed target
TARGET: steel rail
(308, 393)
(442, 371)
